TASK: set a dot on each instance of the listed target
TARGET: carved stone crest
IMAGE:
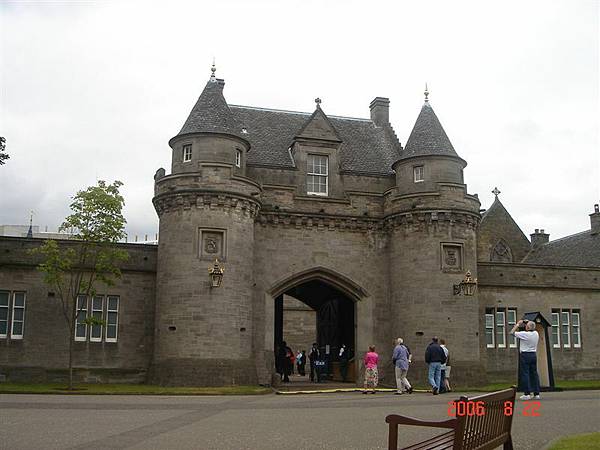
(212, 244)
(451, 257)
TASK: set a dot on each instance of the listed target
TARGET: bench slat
(438, 442)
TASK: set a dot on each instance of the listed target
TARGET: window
(511, 321)
(566, 328)
(18, 315)
(500, 329)
(4, 296)
(564, 325)
(489, 328)
(96, 331)
(12, 322)
(100, 307)
(238, 158)
(80, 317)
(555, 330)
(498, 323)
(187, 153)
(419, 173)
(112, 318)
(317, 172)
(575, 329)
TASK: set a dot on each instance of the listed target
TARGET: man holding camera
(529, 339)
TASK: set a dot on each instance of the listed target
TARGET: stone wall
(42, 354)
(537, 288)
(299, 324)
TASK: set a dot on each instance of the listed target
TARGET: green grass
(128, 389)
(579, 442)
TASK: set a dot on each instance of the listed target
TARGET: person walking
(445, 382)
(528, 341)
(315, 357)
(435, 357)
(401, 359)
(371, 375)
(285, 361)
(301, 362)
(343, 359)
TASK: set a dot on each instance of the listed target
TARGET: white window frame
(79, 317)
(13, 335)
(116, 325)
(7, 307)
(93, 312)
(555, 344)
(576, 329)
(187, 155)
(567, 313)
(318, 175)
(501, 325)
(512, 340)
(419, 174)
(490, 316)
(238, 158)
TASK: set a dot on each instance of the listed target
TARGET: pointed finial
(496, 192)
(426, 94)
(318, 102)
(31, 217)
(213, 69)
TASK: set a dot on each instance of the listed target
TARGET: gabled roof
(578, 250)
(498, 225)
(318, 126)
(211, 114)
(427, 136)
(365, 148)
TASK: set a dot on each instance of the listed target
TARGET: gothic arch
(328, 276)
(501, 252)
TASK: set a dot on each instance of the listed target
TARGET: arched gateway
(329, 319)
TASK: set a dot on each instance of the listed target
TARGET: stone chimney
(539, 238)
(380, 111)
(595, 220)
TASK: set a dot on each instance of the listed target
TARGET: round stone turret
(206, 210)
(432, 222)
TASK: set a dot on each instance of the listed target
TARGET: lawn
(128, 389)
(579, 442)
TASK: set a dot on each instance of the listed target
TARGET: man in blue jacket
(435, 357)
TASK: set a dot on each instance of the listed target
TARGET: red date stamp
(471, 408)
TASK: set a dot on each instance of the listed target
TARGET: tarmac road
(317, 421)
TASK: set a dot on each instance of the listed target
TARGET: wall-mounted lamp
(467, 286)
(216, 274)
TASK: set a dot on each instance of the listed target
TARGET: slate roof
(365, 148)
(578, 250)
(211, 114)
(427, 136)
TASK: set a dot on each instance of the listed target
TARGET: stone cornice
(413, 221)
(186, 199)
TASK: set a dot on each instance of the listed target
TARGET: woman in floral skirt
(371, 375)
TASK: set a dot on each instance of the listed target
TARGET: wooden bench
(485, 431)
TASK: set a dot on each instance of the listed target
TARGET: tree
(74, 269)
(3, 154)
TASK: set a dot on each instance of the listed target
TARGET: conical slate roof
(428, 137)
(211, 114)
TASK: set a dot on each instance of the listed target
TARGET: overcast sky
(94, 90)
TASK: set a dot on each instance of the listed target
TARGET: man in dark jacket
(435, 357)
(315, 363)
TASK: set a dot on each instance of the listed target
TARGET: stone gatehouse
(333, 212)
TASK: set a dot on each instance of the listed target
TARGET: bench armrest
(395, 419)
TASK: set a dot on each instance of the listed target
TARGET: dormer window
(316, 174)
(419, 174)
(238, 157)
(187, 153)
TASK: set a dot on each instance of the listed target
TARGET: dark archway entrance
(329, 320)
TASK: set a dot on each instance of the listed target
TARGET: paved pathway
(318, 421)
